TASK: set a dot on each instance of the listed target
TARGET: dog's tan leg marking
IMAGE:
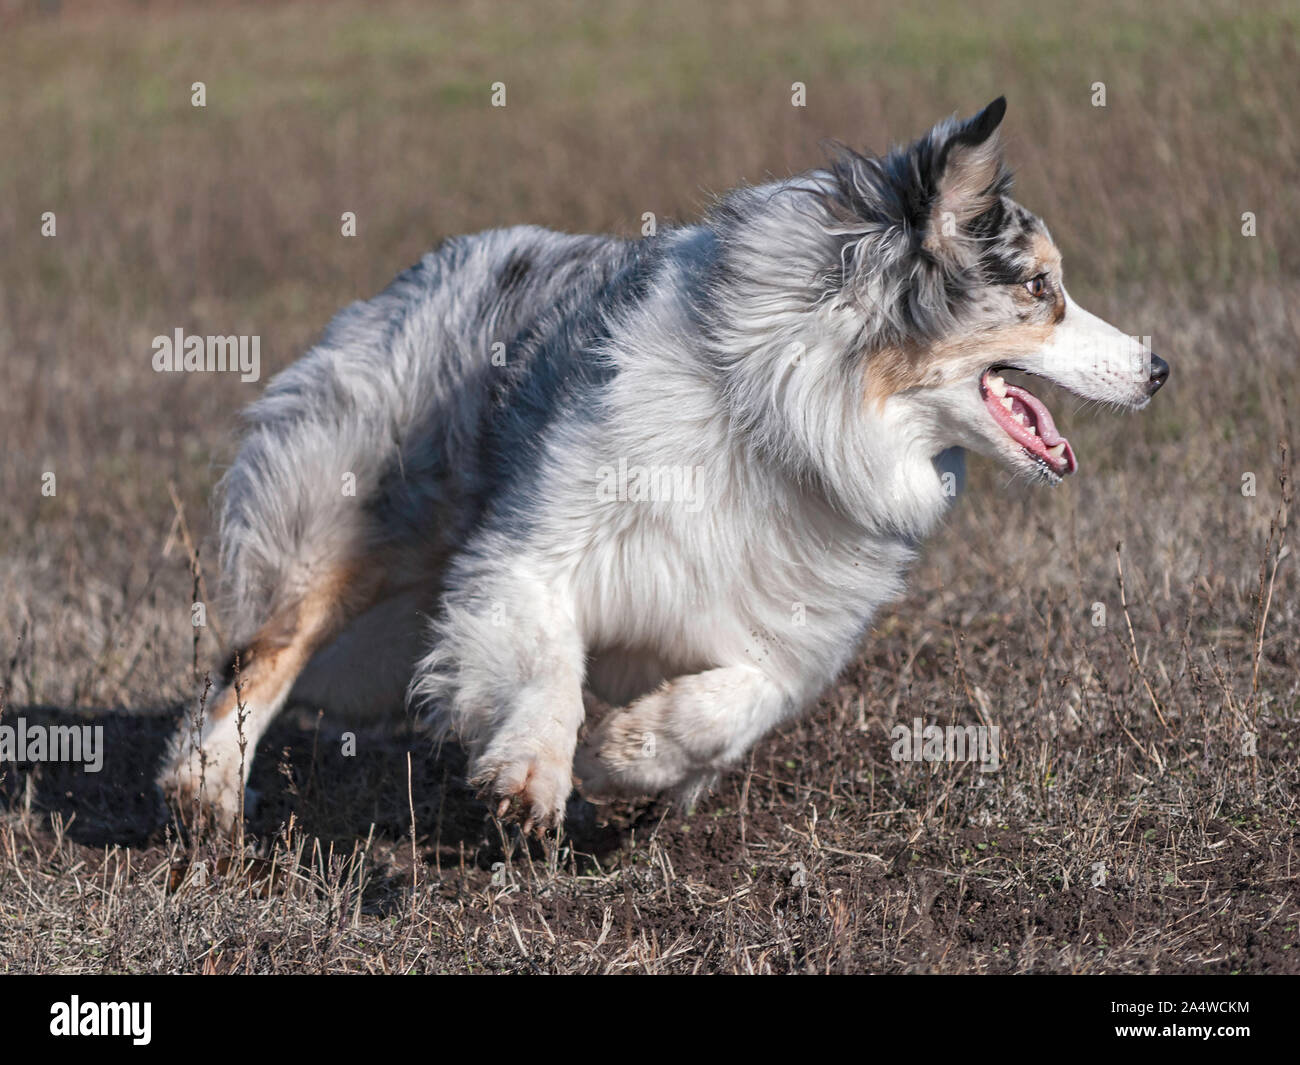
(681, 735)
(207, 761)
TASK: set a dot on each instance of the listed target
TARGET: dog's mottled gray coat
(794, 378)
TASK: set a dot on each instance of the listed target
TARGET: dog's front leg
(505, 675)
(683, 734)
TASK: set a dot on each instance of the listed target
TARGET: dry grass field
(1146, 815)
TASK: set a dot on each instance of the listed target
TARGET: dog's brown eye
(1037, 286)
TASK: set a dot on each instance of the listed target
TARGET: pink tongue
(1046, 427)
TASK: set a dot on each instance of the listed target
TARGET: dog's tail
(319, 479)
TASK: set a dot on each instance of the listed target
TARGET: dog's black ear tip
(993, 114)
(982, 126)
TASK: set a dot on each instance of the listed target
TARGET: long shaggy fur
(482, 403)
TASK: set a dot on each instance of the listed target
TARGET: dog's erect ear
(967, 173)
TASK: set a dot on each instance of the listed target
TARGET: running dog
(543, 476)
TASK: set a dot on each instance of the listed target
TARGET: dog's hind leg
(212, 751)
(362, 674)
(681, 736)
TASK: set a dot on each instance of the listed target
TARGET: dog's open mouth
(1028, 422)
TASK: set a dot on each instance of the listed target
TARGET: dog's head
(955, 284)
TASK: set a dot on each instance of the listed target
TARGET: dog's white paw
(535, 779)
(211, 784)
(631, 753)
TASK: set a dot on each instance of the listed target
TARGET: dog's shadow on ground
(337, 782)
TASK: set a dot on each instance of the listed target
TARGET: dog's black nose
(1159, 374)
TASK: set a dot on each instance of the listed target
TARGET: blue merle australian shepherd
(613, 510)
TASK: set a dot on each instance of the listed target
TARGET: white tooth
(1020, 418)
(997, 386)
(1057, 452)
(1033, 430)
(1008, 403)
